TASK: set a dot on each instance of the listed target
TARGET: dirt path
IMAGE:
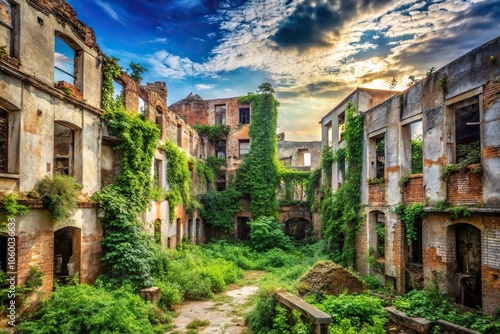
(225, 313)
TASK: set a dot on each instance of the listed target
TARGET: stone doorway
(243, 228)
(67, 253)
(298, 228)
(467, 275)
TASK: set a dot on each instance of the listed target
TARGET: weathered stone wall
(291, 153)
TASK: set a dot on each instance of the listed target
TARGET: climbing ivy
(179, 180)
(218, 207)
(126, 247)
(408, 214)
(214, 132)
(292, 182)
(258, 175)
(341, 211)
(12, 209)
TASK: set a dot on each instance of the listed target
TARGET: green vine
(258, 175)
(179, 180)
(214, 132)
(293, 181)
(126, 247)
(408, 214)
(341, 211)
(219, 207)
(12, 209)
(456, 212)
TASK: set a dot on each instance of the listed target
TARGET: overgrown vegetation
(408, 214)
(258, 175)
(267, 233)
(219, 207)
(136, 71)
(127, 249)
(417, 160)
(214, 132)
(353, 313)
(455, 211)
(466, 154)
(431, 304)
(341, 211)
(95, 309)
(12, 209)
(59, 195)
(179, 180)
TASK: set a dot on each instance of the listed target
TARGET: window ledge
(9, 176)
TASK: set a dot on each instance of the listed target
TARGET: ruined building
(50, 107)
(454, 114)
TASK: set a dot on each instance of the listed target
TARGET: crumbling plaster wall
(287, 149)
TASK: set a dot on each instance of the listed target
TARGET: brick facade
(413, 191)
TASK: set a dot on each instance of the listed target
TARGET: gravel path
(225, 312)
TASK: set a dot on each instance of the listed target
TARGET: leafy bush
(92, 309)
(432, 305)
(261, 318)
(219, 207)
(364, 312)
(59, 194)
(266, 233)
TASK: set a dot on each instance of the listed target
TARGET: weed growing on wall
(219, 207)
(258, 175)
(59, 195)
(341, 211)
(408, 214)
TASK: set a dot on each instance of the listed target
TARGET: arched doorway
(67, 253)
(467, 278)
(298, 228)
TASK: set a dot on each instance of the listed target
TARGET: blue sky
(314, 52)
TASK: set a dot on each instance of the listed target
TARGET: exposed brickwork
(398, 256)
(361, 249)
(465, 188)
(70, 90)
(67, 15)
(193, 109)
(413, 191)
(376, 194)
(491, 93)
(36, 249)
(491, 288)
(91, 254)
(430, 163)
(491, 152)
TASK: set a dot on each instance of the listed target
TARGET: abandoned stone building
(50, 107)
(302, 155)
(455, 114)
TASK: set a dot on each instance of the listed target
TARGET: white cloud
(204, 86)
(109, 10)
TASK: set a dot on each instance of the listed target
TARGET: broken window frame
(220, 114)
(59, 166)
(243, 146)
(245, 115)
(472, 97)
(11, 10)
(220, 149)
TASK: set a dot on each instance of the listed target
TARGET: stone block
(152, 294)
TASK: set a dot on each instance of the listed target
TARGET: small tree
(136, 71)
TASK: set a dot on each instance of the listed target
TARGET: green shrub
(171, 294)
(59, 194)
(90, 309)
(433, 305)
(266, 233)
(261, 318)
(362, 311)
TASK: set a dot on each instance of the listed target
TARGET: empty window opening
(244, 145)
(142, 106)
(7, 26)
(221, 180)
(64, 62)
(4, 140)
(179, 136)
(302, 160)
(64, 139)
(220, 114)
(341, 119)
(158, 172)
(329, 134)
(117, 89)
(379, 157)
(159, 120)
(245, 115)
(157, 231)
(67, 251)
(380, 231)
(415, 247)
(220, 149)
(243, 228)
(417, 158)
(467, 134)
